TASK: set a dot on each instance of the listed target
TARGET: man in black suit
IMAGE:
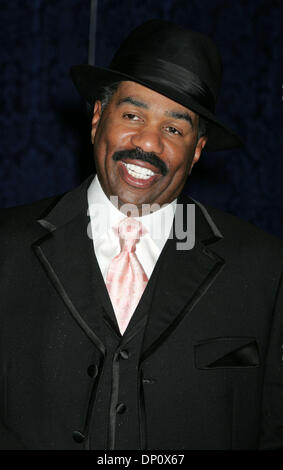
(198, 361)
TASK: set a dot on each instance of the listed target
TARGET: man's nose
(149, 140)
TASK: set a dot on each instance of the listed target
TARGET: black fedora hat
(182, 64)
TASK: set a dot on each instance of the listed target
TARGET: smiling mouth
(138, 171)
(138, 176)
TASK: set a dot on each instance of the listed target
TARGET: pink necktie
(126, 279)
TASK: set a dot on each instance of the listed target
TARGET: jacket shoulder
(234, 225)
(241, 236)
(19, 219)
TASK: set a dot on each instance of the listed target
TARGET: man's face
(144, 145)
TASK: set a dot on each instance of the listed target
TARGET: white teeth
(138, 175)
(138, 171)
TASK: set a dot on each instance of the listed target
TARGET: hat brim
(90, 80)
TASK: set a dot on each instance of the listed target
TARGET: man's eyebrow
(134, 101)
(180, 115)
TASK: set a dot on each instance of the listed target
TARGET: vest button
(78, 437)
(121, 408)
(92, 370)
(124, 354)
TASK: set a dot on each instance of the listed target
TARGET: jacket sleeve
(271, 434)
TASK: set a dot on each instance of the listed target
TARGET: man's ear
(200, 145)
(95, 119)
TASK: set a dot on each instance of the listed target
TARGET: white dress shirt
(104, 215)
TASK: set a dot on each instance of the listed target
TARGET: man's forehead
(146, 96)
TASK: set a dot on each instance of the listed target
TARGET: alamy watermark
(183, 227)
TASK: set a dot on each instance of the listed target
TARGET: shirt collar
(105, 215)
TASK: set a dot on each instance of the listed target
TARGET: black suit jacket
(212, 345)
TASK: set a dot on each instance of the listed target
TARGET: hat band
(156, 70)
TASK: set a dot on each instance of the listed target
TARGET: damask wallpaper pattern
(44, 127)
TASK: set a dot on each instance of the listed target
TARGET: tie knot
(130, 231)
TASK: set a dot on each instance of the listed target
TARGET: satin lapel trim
(184, 278)
(67, 257)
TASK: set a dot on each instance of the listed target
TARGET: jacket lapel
(66, 254)
(183, 276)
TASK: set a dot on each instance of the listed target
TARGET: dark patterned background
(44, 128)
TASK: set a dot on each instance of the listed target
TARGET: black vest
(115, 418)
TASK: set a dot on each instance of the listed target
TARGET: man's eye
(173, 130)
(130, 116)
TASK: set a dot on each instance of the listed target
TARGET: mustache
(138, 154)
